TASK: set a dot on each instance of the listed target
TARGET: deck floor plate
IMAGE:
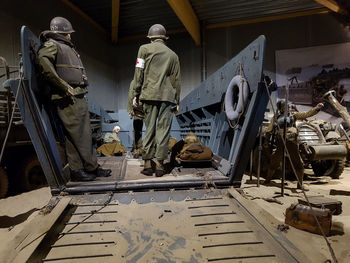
(166, 231)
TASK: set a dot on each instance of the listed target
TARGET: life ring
(235, 103)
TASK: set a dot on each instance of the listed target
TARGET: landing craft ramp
(190, 215)
(166, 226)
(201, 111)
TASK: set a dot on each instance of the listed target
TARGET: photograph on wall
(313, 71)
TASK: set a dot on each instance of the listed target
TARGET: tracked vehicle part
(166, 226)
(331, 168)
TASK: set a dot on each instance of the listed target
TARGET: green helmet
(281, 105)
(157, 31)
(61, 25)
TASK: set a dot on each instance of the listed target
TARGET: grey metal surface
(178, 226)
(201, 111)
(34, 117)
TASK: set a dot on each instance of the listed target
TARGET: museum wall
(97, 52)
(110, 67)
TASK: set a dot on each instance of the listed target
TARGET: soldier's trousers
(138, 124)
(158, 119)
(75, 118)
(277, 158)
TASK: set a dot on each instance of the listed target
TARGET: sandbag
(111, 149)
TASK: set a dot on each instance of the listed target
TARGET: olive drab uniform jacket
(63, 70)
(61, 65)
(157, 73)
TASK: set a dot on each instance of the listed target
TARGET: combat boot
(100, 172)
(147, 169)
(81, 176)
(160, 168)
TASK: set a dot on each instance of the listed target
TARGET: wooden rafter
(187, 16)
(115, 19)
(331, 5)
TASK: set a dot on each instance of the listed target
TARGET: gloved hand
(135, 102)
(319, 106)
(176, 111)
(70, 91)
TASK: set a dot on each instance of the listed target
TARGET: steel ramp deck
(165, 226)
(128, 170)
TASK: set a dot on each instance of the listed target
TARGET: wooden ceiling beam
(84, 15)
(332, 5)
(188, 17)
(115, 20)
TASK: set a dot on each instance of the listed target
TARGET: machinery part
(327, 152)
(337, 106)
(30, 174)
(332, 168)
(236, 97)
(61, 25)
(4, 183)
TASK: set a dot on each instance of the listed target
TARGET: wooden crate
(333, 205)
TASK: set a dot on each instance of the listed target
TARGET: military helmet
(281, 105)
(157, 31)
(61, 25)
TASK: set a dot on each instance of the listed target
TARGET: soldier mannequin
(291, 141)
(64, 72)
(135, 113)
(157, 85)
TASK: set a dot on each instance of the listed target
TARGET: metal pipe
(259, 160)
(284, 139)
(344, 131)
(120, 186)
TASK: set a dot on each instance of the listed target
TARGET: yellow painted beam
(115, 19)
(187, 16)
(84, 15)
(269, 18)
(331, 5)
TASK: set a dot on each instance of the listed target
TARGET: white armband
(140, 63)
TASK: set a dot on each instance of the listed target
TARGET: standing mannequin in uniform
(63, 70)
(157, 86)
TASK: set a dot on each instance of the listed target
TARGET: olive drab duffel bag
(195, 151)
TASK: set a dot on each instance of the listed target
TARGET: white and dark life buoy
(236, 97)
